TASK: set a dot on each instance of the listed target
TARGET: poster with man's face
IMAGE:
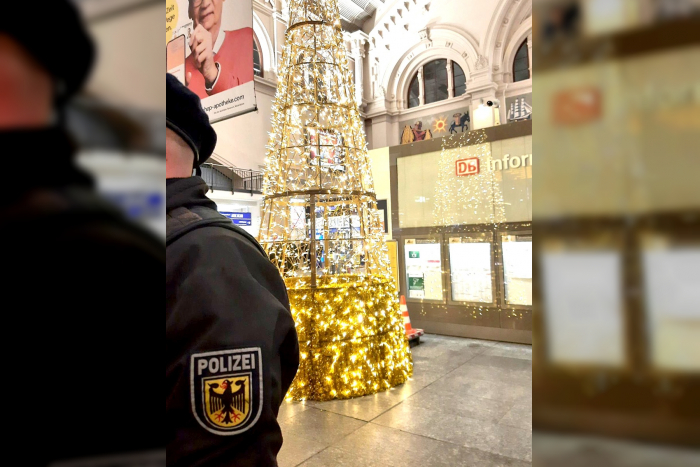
(218, 51)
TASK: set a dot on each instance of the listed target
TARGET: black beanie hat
(185, 116)
(68, 56)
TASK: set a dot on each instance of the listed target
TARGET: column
(421, 86)
(357, 53)
(450, 80)
(529, 51)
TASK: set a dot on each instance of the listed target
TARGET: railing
(233, 179)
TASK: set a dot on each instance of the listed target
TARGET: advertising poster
(214, 39)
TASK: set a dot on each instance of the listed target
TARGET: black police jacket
(231, 345)
(80, 288)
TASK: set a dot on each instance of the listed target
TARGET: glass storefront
(465, 237)
(470, 269)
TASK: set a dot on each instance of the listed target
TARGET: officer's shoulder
(220, 240)
(103, 223)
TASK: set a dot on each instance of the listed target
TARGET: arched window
(521, 64)
(414, 93)
(257, 58)
(436, 83)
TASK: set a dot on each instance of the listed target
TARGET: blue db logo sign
(467, 166)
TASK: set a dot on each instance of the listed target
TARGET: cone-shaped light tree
(320, 223)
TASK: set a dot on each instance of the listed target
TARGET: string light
(320, 224)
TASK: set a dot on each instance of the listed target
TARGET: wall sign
(471, 166)
(577, 106)
(468, 166)
(416, 283)
(240, 218)
(519, 108)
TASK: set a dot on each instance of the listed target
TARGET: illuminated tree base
(351, 337)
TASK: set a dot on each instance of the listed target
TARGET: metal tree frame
(320, 224)
(317, 160)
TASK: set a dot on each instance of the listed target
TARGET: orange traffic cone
(410, 332)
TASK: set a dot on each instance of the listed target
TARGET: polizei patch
(226, 389)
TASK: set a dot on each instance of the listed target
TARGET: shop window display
(583, 302)
(517, 269)
(471, 269)
(671, 278)
(423, 269)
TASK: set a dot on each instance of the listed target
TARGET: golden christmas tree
(320, 223)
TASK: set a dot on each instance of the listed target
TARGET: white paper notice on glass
(672, 296)
(470, 265)
(517, 258)
(517, 272)
(583, 309)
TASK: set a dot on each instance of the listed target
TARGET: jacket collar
(187, 192)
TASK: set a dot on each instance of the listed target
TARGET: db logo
(467, 166)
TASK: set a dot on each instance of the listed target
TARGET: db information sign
(467, 166)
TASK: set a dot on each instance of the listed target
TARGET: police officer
(231, 345)
(79, 287)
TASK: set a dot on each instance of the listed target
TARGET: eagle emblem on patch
(226, 389)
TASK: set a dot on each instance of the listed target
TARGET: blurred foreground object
(123, 150)
(617, 214)
(118, 119)
(81, 278)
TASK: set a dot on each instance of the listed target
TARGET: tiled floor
(559, 450)
(469, 403)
